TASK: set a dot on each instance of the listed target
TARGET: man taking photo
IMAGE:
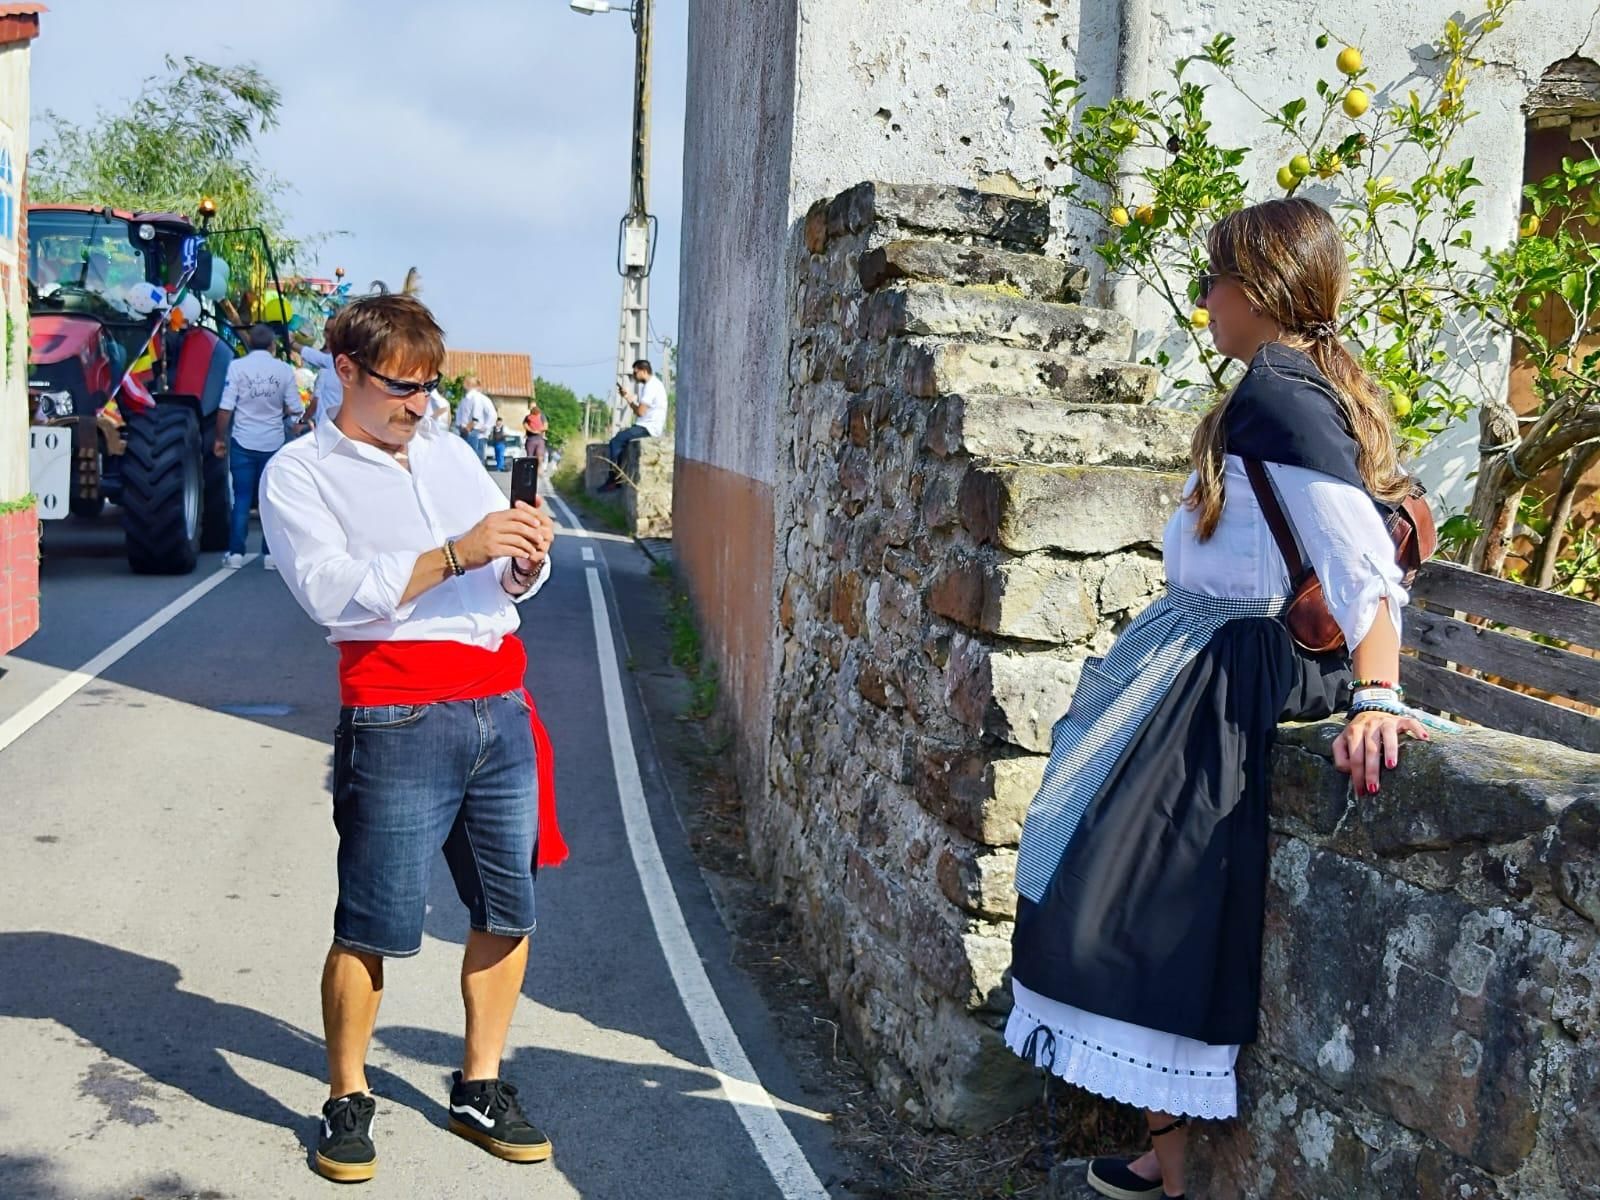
(649, 408)
(391, 535)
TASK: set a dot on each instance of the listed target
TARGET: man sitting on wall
(649, 419)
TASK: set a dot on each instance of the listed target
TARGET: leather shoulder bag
(1311, 625)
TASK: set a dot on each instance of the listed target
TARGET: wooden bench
(1437, 628)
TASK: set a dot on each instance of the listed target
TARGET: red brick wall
(19, 577)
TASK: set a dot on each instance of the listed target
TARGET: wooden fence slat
(1449, 585)
(1475, 700)
(1543, 667)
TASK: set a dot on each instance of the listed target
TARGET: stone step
(978, 314)
(1078, 510)
(1046, 430)
(1007, 272)
(952, 368)
(930, 208)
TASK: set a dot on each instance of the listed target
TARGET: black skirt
(1154, 913)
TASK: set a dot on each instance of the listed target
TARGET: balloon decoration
(275, 310)
(220, 278)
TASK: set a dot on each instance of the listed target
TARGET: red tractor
(117, 367)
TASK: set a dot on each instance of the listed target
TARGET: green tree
(188, 132)
(564, 410)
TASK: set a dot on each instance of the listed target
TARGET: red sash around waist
(435, 672)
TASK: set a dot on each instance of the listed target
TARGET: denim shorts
(410, 778)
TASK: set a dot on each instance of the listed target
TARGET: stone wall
(648, 503)
(972, 498)
(1431, 981)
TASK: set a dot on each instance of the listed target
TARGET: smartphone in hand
(525, 480)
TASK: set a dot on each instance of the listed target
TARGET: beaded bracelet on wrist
(451, 560)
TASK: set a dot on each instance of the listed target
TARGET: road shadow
(132, 1008)
(577, 1099)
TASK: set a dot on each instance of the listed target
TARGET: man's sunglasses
(399, 388)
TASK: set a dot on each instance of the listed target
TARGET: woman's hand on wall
(1370, 743)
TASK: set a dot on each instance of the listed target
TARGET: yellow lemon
(1287, 178)
(1199, 318)
(1144, 214)
(1300, 165)
(1349, 60)
(1529, 225)
(1119, 216)
(1331, 167)
(1400, 404)
(1205, 202)
(1356, 102)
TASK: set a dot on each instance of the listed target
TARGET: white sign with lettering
(50, 469)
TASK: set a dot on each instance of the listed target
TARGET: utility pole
(636, 237)
(636, 241)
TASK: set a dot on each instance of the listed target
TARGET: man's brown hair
(394, 335)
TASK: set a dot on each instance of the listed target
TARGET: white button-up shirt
(475, 406)
(260, 391)
(328, 391)
(347, 523)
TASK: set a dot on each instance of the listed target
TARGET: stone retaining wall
(971, 499)
(1431, 981)
(647, 498)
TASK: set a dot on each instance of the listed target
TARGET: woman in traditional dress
(1142, 869)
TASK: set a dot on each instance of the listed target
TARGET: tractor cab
(98, 283)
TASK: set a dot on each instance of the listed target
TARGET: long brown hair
(1290, 261)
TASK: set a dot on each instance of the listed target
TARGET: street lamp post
(636, 234)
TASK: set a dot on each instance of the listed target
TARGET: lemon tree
(1427, 303)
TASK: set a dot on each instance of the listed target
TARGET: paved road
(167, 891)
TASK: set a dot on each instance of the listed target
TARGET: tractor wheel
(216, 513)
(162, 491)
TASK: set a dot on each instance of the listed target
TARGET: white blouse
(1339, 531)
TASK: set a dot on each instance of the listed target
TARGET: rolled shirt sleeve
(336, 590)
(1343, 538)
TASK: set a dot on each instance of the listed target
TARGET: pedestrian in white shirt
(394, 539)
(649, 408)
(259, 393)
(327, 393)
(439, 409)
(475, 416)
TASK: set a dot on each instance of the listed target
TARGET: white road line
(63, 689)
(588, 554)
(574, 527)
(739, 1083)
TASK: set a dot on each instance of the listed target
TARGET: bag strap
(1267, 497)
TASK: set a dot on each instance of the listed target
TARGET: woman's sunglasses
(399, 388)
(1204, 282)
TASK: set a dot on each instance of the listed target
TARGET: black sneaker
(486, 1111)
(345, 1152)
(1112, 1177)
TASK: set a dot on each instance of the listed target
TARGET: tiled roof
(500, 374)
(22, 10)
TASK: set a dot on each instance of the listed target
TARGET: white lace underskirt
(1143, 1067)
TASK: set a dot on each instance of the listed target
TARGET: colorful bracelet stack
(1377, 695)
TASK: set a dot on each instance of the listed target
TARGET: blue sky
(483, 141)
